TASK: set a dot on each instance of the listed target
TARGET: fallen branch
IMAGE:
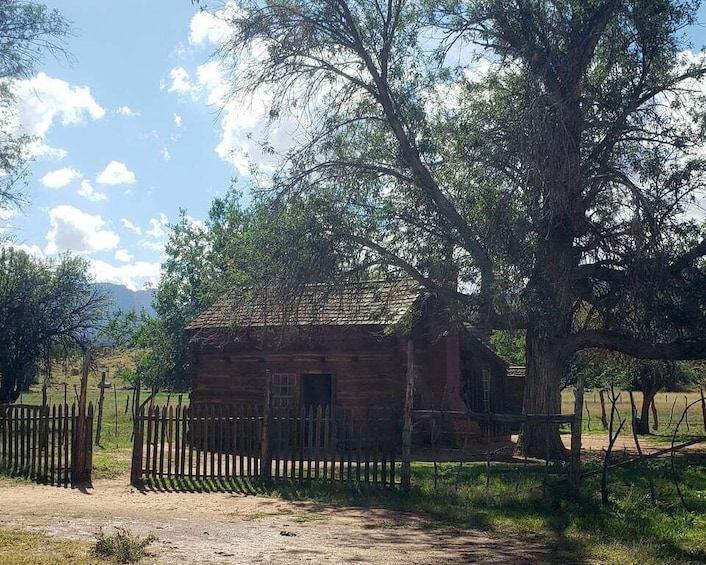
(657, 453)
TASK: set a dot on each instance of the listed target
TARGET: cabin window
(284, 390)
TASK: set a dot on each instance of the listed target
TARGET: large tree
(28, 30)
(44, 305)
(531, 161)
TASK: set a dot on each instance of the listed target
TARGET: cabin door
(316, 390)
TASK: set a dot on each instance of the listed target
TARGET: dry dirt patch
(226, 528)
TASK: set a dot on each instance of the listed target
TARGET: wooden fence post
(576, 435)
(80, 457)
(265, 451)
(407, 429)
(136, 465)
(101, 397)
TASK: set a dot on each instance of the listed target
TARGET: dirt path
(236, 529)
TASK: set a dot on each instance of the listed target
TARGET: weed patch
(123, 546)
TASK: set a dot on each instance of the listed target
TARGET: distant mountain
(126, 299)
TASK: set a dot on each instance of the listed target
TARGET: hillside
(126, 299)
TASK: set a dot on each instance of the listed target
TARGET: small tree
(43, 305)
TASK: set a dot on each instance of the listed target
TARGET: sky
(137, 126)
(128, 132)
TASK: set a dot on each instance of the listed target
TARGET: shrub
(123, 546)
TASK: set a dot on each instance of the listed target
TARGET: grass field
(18, 547)
(670, 407)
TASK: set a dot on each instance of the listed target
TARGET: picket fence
(39, 442)
(239, 441)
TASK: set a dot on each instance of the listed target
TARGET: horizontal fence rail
(239, 441)
(38, 442)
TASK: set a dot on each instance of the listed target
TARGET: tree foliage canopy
(44, 305)
(28, 30)
(535, 162)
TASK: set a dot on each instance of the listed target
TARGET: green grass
(670, 406)
(30, 548)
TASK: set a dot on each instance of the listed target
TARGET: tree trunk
(542, 396)
(643, 427)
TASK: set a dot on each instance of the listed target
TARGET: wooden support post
(703, 407)
(407, 429)
(576, 435)
(80, 458)
(101, 397)
(265, 451)
(115, 398)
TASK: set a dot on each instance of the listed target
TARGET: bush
(123, 546)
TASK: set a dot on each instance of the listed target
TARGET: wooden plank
(326, 441)
(189, 438)
(53, 432)
(302, 441)
(45, 440)
(170, 440)
(318, 440)
(358, 451)
(310, 440)
(156, 436)
(59, 439)
(19, 468)
(293, 449)
(265, 450)
(212, 431)
(197, 438)
(149, 421)
(179, 445)
(219, 440)
(164, 422)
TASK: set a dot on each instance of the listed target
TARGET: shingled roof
(360, 303)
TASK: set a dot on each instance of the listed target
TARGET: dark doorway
(316, 390)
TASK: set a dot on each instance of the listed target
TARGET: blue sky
(128, 133)
(136, 127)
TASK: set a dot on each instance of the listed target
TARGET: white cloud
(135, 276)
(74, 230)
(177, 120)
(153, 245)
(128, 225)
(42, 100)
(166, 155)
(87, 191)
(60, 177)
(6, 214)
(181, 83)
(116, 173)
(210, 76)
(158, 227)
(206, 27)
(31, 250)
(123, 255)
(127, 111)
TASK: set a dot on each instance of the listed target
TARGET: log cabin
(344, 347)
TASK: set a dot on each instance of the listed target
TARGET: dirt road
(227, 528)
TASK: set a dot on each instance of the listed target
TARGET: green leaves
(43, 305)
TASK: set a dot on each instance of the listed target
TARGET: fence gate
(240, 441)
(39, 442)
